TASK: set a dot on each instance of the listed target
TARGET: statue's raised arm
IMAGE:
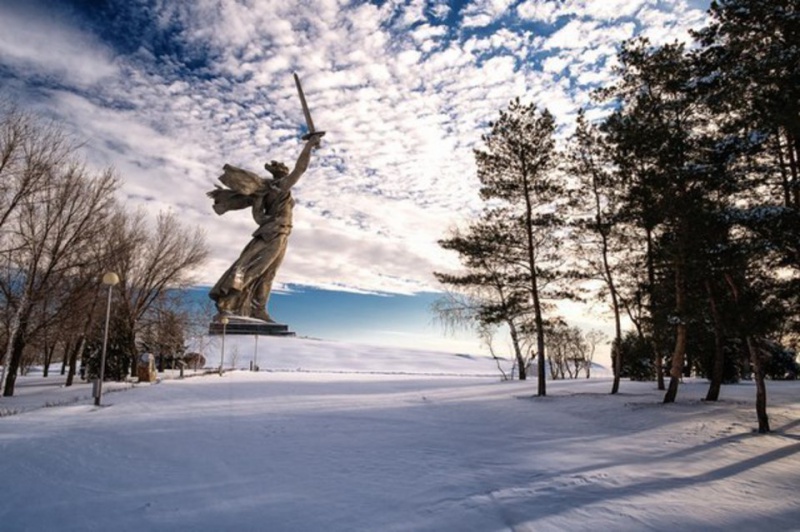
(312, 139)
(302, 162)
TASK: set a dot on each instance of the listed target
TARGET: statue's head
(278, 170)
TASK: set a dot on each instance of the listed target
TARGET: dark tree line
(61, 229)
(680, 208)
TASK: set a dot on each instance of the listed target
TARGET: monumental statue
(243, 290)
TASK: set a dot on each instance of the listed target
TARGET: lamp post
(255, 354)
(110, 279)
(224, 321)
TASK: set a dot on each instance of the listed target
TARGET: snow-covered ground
(337, 437)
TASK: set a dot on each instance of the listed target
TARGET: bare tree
(486, 334)
(86, 311)
(557, 344)
(458, 310)
(593, 338)
(570, 351)
(48, 235)
(486, 293)
(155, 261)
(164, 329)
(27, 148)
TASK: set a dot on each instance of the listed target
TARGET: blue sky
(168, 91)
(395, 320)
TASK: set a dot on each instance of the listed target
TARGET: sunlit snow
(342, 437)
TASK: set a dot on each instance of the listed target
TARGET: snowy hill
(300, 354)
(328, 440)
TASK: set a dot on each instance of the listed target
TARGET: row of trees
(680, 209)
(61, 228)
(570, 351)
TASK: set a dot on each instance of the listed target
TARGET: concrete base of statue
(250, 326)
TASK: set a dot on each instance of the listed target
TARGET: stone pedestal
(146, 369)
(249, 326)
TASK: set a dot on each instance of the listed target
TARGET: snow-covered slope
(300, 354)
(340, 446)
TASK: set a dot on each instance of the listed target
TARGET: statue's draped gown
(244, 289)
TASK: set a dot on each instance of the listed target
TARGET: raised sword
(309, 122)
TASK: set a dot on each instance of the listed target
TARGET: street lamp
(224, 321)
(255, 354)
(110, 279)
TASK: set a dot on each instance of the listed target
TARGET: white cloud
(608, 9)
(38, 43)
(425, 33)
(555, 63)
(539, 10)
(484, 12)
(575, 34)
(402, 101)
(439, 9)
(603, 10)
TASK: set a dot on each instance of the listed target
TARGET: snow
(341, 437)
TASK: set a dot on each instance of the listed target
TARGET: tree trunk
(617, 362)
(49, 351)
(757, 367)
(677, 364)
(537, 307)
(618, 342)
(651, 283)
(517, 351)
(786, 183)
(609, 278)
(676, 370)
(719, 355)
(16, 345)
(541, 388)
(761, 387)
(80, 343)
(14, 355)
(68, 348)
(73, 359)
(132, 350)
(793, 150)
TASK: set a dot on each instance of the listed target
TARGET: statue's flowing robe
(244, 289)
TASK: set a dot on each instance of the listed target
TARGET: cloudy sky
(168, 91)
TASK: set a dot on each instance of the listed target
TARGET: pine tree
(750, 76)
(516, 170)
(597, 203)
(661, 150)
(751, 57)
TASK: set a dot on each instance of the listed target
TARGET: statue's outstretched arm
(302, 163)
